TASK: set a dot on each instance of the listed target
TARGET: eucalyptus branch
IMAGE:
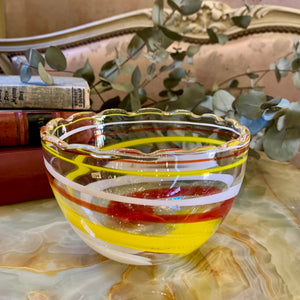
(99, 94)
(146, 82)
(48, 70)
(252, 107)
(241, 88)
(132, 55)
(261, 77)
(241, 75)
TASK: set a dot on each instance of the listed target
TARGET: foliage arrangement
(274, 122)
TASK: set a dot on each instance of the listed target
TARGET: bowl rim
(241, 141)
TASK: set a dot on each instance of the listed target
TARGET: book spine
(44, 97)
(23, 127)
(23, 175)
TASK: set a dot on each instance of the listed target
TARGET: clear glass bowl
(148, 186)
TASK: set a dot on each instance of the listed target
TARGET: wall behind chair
(21, 18)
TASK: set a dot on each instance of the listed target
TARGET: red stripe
(131, 213)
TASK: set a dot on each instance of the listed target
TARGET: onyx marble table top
(254, 255)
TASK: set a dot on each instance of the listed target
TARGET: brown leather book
(22, 127)
(23, 175)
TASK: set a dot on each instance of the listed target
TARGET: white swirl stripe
(228, 194)
(101, 126)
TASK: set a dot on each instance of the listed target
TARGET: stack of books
(24, 109)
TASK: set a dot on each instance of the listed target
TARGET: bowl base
(126, 255)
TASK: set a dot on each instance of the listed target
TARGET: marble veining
(255, 255)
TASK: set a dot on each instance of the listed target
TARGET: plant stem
(131, 56)
(99, 95)
(261, 77)
(240, 75)
(265, 72)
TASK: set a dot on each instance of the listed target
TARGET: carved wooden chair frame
(215, 15)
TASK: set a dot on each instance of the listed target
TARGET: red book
(22, 127)
(22, 175)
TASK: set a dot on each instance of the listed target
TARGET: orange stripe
(217, 212)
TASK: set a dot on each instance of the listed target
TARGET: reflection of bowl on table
(144, 187)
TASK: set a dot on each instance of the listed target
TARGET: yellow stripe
(151, 173)
(162, 139)
(72, 123)
(183, 238)
(80, 170)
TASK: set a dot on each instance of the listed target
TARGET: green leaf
(192, 50)
(233, 84)
(277, 74)
(136, 77)
(25, 73)
(154, 38)
(212, 36)
(271, 103)
(86, 73)
(120, 60)
(283, 65)
(200, 109)
(193, 93)
(281, 145)
(296, 63)
(151, 69)
(167, 68)
(190, 99)
(171, 34)
(252, 75)
(34, 58)
(127, 68)
(185, 7)
(123, 87)
(177, 74)
(125, 103)
(158, 12)
(135, 47)
(100, 88)
(241, 21)
(296, 80)
(222, 102)
(249, 104)
(296, 46)
(45, 76)
(160, 55)
(292, 117)
(222, 39)
(178, 57)
(280, 123)
(109, 71)
(135, 100)
(170, 83)
(55, 58)
(142, 95)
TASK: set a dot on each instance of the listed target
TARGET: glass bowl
(145, 187)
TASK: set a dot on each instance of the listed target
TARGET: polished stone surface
(255, 255)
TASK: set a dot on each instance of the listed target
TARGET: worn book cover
(23, 175)
(22, 127)
(67, 93)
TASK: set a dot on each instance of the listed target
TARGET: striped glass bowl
(148, 186)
